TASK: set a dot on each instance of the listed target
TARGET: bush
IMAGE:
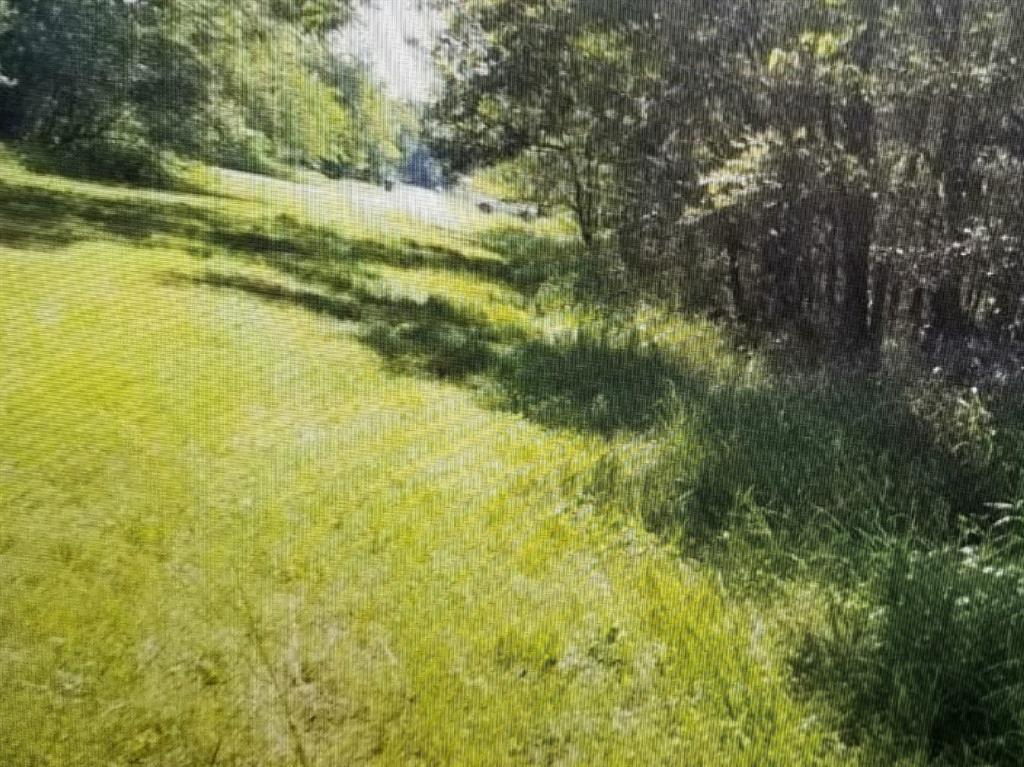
(960, 420)
(246, 150)
(930, 655)
(123, 154)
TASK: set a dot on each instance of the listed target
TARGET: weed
(929, 655)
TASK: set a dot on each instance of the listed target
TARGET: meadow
(281, 484)
(251, 514)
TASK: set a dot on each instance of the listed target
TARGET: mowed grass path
(252, 514)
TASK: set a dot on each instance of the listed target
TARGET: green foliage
(281, 101)
(122, 154)
(68, 63)
(840, 176)
(592, 378)
(242, 84)
(879, 209)
(532, 176)
(530, 78)
(371, 150)
(282, 96)
(827, 465)
(313, 15)
(930, 656)
(961, 421)
(5, 22)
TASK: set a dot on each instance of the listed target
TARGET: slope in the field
(253, 513)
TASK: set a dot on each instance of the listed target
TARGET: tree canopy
(843, 168)
(242, 83)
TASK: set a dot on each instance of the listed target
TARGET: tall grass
(255, 508)
(928, 655)
(282, 488)
(874, 523)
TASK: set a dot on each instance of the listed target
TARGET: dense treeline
(112, 83)
(842, 169)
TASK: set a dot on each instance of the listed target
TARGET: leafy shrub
(247, 150)
(821, 464)
(960, 419)
(123, 154)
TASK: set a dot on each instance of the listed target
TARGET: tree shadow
(585, 384)
(840, 450)
(344, 308)
(34, 217)
(431, 337)
(585, 381)
(516, 259)
(588, 381)
(799, 470)
(816, 459)
(531, 260)
(322, 250)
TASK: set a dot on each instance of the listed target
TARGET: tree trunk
(733, 247)
(858, 206)
(581, 205)
(859, 223)
(948, 316)
(879, 295)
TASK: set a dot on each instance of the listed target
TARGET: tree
(526, 76)
(240, 83)
(838, 168)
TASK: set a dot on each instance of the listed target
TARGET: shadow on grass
(807, 470)
(809, 463)
(432, 337)
(583, 381)
(823, 454)
(31, 216)
(516, 259)
(779, 441)
(782, 479)
(588, 381)
(533, 260)
(926, 660)
(792, 471)
(847, 455)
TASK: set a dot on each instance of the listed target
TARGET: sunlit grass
(232, 532)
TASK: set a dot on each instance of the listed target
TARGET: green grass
(927, 656)
(278, 487)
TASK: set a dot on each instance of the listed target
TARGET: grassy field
(281, 485)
